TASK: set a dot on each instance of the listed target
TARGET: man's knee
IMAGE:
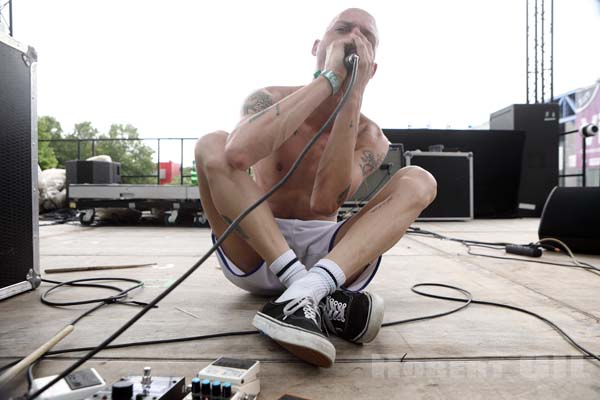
(210, 151)
(423, 185)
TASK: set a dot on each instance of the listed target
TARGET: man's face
(342, 26)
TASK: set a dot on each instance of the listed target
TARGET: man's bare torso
(292, 200)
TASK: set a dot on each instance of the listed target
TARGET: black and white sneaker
(353, 316)
(296, 325)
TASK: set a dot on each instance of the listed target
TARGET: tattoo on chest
(238, 229)
(370, 162)
(342, 196)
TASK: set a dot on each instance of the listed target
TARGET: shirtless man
(292, 246)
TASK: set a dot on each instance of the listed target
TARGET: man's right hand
(336, 52)
(334, 60)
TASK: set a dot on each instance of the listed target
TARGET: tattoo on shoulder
(238, 229)
(370, 162)
(342, 196)
(257, 103)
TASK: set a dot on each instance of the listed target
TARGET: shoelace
(335, 310)
(308, 307)
(332, 310)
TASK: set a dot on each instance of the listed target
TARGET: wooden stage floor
(479, 353)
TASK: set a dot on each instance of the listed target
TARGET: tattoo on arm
(238, 229)
(257, 104)
(370, 162)
(342, 196)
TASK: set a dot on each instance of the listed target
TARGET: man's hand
(334, 60)
(336, 52)
(364, 50)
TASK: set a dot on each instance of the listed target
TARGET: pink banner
(588, 112)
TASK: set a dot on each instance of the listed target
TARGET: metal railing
(158, 152)
(582, 174)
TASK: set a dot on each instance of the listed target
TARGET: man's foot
(296, 325)
(353, 316)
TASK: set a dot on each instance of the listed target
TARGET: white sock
(287, 268)
(324, 278)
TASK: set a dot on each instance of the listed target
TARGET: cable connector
(529, 250)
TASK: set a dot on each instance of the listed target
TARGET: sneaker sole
(375, 319)
(305, 345)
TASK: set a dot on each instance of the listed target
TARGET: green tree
(70, 148)
(135, 157)
(48, 128)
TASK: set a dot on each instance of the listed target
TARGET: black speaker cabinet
(19, 248)
(496, 163)
(572, 215)
(539, 173)
(453, 172)
(96, 172)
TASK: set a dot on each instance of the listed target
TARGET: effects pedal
(74, 386)
(227, 379)
(146, 387)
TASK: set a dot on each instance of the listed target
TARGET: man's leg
(357, 316)
(224, 193)
(383, 221)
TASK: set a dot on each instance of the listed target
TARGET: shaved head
(342, 26)
(352, 13)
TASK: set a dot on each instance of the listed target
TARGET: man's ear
(374, 70)
(315, 47)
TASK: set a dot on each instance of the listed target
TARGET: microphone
(350, 56)
(349, 61)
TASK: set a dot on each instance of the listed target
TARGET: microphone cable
(234, 224)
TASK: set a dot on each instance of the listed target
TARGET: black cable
(496, 246)
(468, 299)
(416, 230)
(30, 377)
(158, 341)
(77, 282)
(102, 302)
(587, 266)
(514, 308)
(224, 236)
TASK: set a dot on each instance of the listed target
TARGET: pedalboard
(223, 379)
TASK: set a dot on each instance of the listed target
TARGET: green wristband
(332, 79)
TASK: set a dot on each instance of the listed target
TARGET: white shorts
(310, 240)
